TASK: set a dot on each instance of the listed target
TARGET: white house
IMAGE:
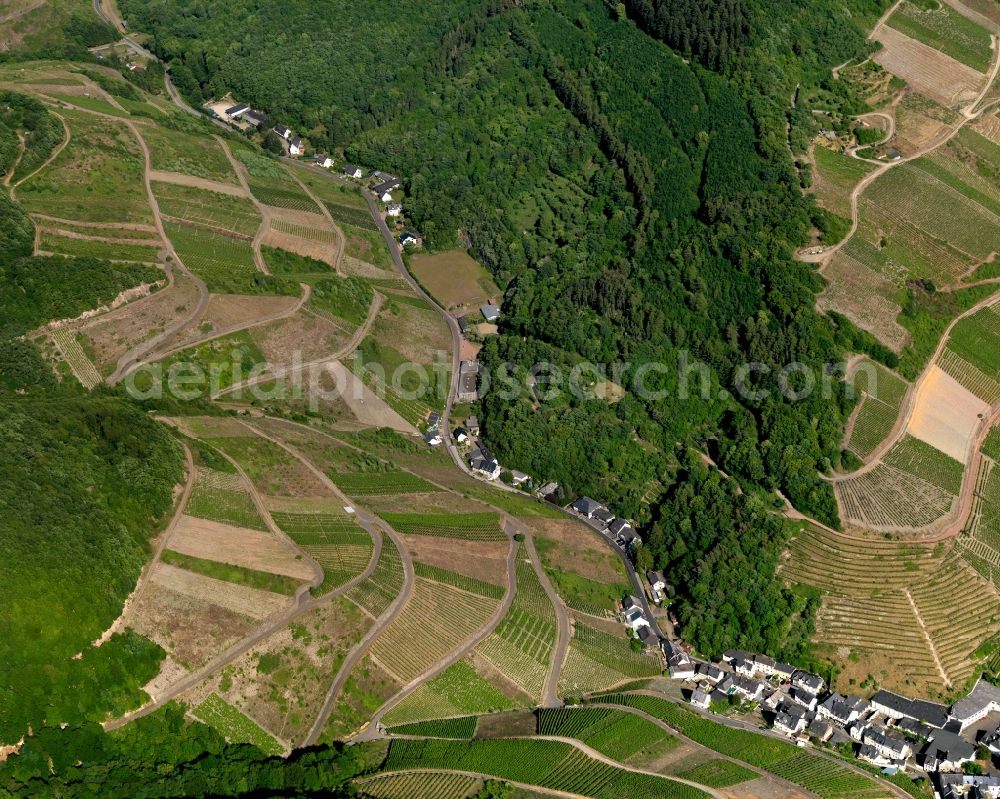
(982, 700)
(432, 437)
(295, 146)
(657, 585)
(236, 111)
(701, 699)
(352, 171)
(324, 161)
(408, 239)
(393, 209)
(283, 132)
(681, 666)
(460, 435)
(635, 619)
(841, 709)
(386, 197)
(888, 745)
(791, 720)
(808, 682)
(749, 689)
(873, 756)
(712, 674)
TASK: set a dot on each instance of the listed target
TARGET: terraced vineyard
(73, 354)
(824, 777)
(346, 215)
(597, 661)
(883, 599)
(459, 727)
(549, 764)
(377, 593)
(281, 193)
(464, 582)
(224, 263)
(425, 785)
(977, 339)
(223, 497)
(980, 539)
(942, 27)
(305, 232)
(913, 486)
(175, 151)
(335, 542)
(51, 241)
(207, 208)
(457, 691)
(975, 380)
(470, 526)
(521, 646)
(620, 735)
(881, 394)
(435, 620)
(361, 484)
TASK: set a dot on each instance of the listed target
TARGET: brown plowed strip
(72, 234)
(198, 183)
(77, 223)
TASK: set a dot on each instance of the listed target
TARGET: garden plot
(521, 646)
(282, 681)
(223, 497)
(946, 415)
(98, 176)
(250, 549)
(929, 71)
(436, 619)
(239, 599)
(457, 691)
(333, 540)
(208, 209)
(197, 155)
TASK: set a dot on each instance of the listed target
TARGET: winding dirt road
(550, 688)
(265, 214)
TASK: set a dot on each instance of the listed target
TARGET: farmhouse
(842, 709)
(982, 700)
(967, 786)
(395, 209)
(586, 506)
(282, 131)
(947, 751)
(791, 719)
(899, 707)
(468, 378)
(236, 111)
(701, 699)
(352, 171)
(490, 312)
(812, 683)
(324, 161)
(295, 146)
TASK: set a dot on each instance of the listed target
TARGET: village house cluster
(888, 731)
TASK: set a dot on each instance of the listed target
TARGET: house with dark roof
(618, 528)
(701, 699)
(842, 710)
(282, 131)
(751, 690)
(385, 187)
(468, 381)
(914, 729)
(238, 110)
(983, 699)
(295, 146)
(947, 751)
(586, 506)
(872, 755)
(820, 729)
(892, 746)
(734, 654)
(255, 118)
(352, 171)
(812, 683)
(324, 161)
(408, 239)
(490, 312)
(899, 707)
(804, 698)
(603, 515)
(710, 673)
(791, 719)
(549, 492)
(968, 786)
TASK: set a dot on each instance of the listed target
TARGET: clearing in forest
(455, 279)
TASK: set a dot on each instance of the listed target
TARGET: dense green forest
(88, 480)
(626, 171)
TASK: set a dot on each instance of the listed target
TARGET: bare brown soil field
(359, 268)
(366, 407)
(327, 253)
(229, 311)
(281, 683)
(367, 687)
(251, 549)
(482, 560)
(311, 336)
(170, 672)
(210, 426)
(469, 350)
(454, 279)
(946, 414)
(418, 333)
(191, 630)
(860, 294)
(919, 123)
(437, 502)
(764, 788)
(333, 505)
(115, 333)
(578, 550)
(71, 224)
(74, 234)
(989, 126)
(198, 183)
(236, 598)
(927, 70)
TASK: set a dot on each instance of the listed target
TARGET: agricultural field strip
(235, 725)
(74, 356)
(426, 785)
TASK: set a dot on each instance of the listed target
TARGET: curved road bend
(371, 730)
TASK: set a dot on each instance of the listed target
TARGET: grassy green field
(977, 339)
(98, 176)
(718, 774)
(882, 391)
(235, 725)
(470, 526)
(838, 175)
(335, 542)
(938, 25)
(85, 248)
(220, 497)
(921, 459)
(265, 581)
(620, 735)
(197, 155)
(361, 484)
(458, 690)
